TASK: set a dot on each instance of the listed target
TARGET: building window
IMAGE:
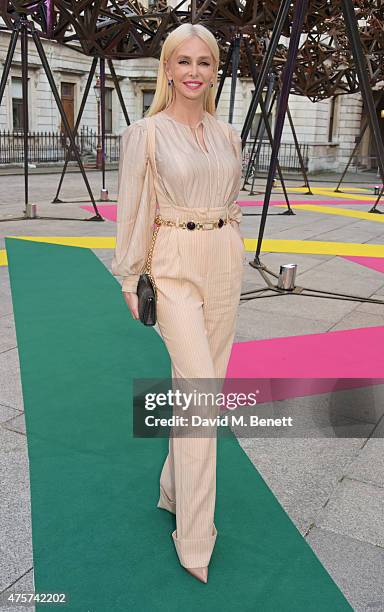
(256, 120)
(108, 109)
(147, 99)
(17, 104)
(333, 118)
(68, 101)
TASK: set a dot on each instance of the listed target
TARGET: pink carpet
(108, 211)
(352, 353)
(375, 263)
(330, 362)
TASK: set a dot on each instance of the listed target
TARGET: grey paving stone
(43, 191)
(364, 403)
(242, 338)
(298, 231)
(302, 473)
(252, 278)
(377, 240)
(356, 567)
(105, 256)
(6, 306)
(330, 415)
(320, 231)
(8, 339)
(25, 584)
(12, 566)
(10, 383)
(342, 276)
(306, 261)
(15, 511)
(364, 224)
(297, 306)
(356, 510)
(255, 324)
(16, 423)
(378, 432)
(353, 233)
(4, 279)
(371, 308)
(324, 227)
(357, 319)
(369, 464)
(6, 413)
(274, 260)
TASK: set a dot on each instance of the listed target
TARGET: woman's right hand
(132, 302)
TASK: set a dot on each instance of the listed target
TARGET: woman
(198, 273)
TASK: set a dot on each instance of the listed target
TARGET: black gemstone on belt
(191, 225)
(220, 222)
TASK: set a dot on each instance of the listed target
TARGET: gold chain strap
(147, 268)
(148, 263)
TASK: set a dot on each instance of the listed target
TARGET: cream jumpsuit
(198, 274)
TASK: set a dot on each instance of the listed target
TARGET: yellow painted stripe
(333, 194)
(322, 189)
(342, 212)
(351, 189)
(349, 196)
(316, 247)
(3, 258)
(89, 242)
(310, 247)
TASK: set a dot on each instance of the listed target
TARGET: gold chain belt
(191, 225)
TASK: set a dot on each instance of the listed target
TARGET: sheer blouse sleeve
(136, 204)
(235, 213)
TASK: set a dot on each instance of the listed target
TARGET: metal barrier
(50, 147)
(288, 157)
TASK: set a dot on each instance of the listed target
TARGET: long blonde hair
(164, 93)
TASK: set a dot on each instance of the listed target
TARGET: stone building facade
(328, 128)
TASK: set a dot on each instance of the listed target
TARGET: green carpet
(97, 533)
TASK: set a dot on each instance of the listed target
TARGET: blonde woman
(197, 260)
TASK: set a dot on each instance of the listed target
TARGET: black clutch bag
(146, 290)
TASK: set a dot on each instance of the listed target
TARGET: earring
(170, 81)
(211, 84)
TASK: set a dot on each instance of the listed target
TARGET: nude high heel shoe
(201, 573)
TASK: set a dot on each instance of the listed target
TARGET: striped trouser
(198, 274)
